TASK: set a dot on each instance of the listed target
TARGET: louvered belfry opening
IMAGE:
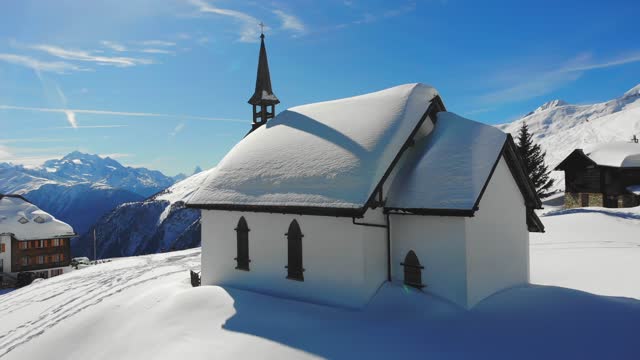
(242, 239)
(412, 270)
(294, 245)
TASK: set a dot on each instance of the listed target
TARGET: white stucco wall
(337, 272)
(439, 243)
(497, 239)
(6, 256)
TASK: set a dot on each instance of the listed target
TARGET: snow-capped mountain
(81, 188)
(157, 224)
(560, 127)
(77, 167)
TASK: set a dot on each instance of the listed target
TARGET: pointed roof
(264, 94)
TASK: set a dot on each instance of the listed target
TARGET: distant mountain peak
(197, 170)
(550, 105)
(633, 92)
(80, 155)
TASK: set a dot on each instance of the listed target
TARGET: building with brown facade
(32, 240)
(608, 175)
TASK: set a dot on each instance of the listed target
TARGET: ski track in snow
(75, 296)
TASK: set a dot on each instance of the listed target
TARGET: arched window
(294, 241)
(242, 240)
(412, 270)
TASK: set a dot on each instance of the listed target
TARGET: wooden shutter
(242, 241)
(412, 270)
(294, 242)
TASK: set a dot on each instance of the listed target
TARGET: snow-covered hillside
(560, 127)
(144, 308)
(157, 224)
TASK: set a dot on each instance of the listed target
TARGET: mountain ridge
(562, 128)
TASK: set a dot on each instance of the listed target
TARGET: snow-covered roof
(27, 222)
(634, 189)
(617, 154)
(449, 168)
(331, 154)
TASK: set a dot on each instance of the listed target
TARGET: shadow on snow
(519, 323)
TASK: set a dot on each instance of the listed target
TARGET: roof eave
(430, 212)
(277, 209)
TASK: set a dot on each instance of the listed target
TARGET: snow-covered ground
(590, 249)
(145, 308)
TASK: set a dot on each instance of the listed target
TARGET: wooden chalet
(607, 175)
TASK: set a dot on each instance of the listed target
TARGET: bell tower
(263, 100)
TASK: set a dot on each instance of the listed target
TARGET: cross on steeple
(261, 28)
(263, 99)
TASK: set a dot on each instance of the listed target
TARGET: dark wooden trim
(412, 266)
(534, 224)
(436, 105)
(430, 212)
(296, 210)
(476, 205)
(353, 220)
(388, 248)
(579, 152)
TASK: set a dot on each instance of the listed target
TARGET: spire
(263, 94)
(263, 99)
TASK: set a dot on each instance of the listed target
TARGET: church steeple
(263, 100)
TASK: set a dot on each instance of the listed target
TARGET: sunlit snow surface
(144, 308)
(328, 154)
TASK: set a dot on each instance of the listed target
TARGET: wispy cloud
(161, 43)
(28, 140)
(527, 83)
(248, 23)
(177, 129)
(89, 127)
(290, 22)
(118, 113)
(114, 46)
(157, 51)
(46, 66)
(71, 118)
(585, 63)
(88, 56)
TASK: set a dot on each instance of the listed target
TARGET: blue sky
(164, 84)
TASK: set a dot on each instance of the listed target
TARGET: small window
(39, 219)
(23, 220)
(242, 242)
(40, 260)
(24, 260)
(294, 246)
(22, 245)
(412, 270)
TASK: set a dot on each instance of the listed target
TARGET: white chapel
(325, 202)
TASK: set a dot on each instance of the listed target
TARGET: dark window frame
(242, 245)
(295, 269)
(412, 270)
